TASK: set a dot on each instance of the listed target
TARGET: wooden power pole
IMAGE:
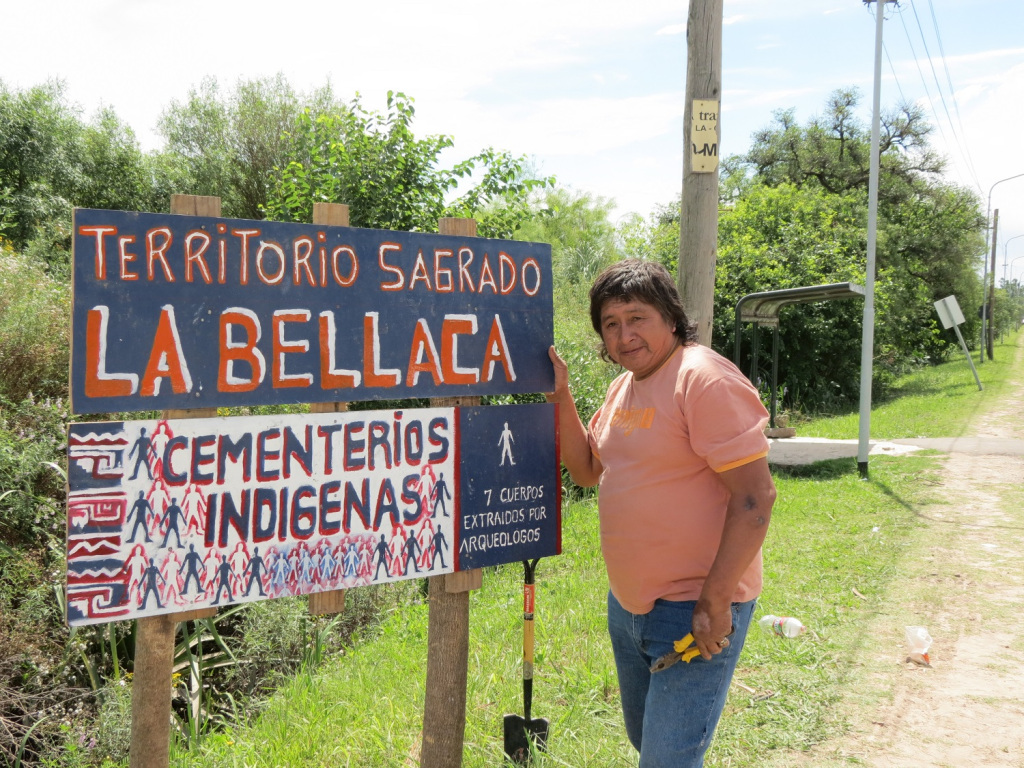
(698, 217)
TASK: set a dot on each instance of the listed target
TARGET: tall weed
(35, 312)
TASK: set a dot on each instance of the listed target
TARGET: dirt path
(966, 586)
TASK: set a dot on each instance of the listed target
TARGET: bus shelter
(762, 309)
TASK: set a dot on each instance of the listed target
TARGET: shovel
(523, 735)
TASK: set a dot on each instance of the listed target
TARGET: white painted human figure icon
(505, 441)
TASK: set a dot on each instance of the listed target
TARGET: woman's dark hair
(646, 281)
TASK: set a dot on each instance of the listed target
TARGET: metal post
(775, 374)
(990, 307)
(1006, 246)
(868, 342)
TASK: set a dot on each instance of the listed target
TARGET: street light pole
(867, 345)
(984, 278)
(1013, 261)
(1005, 246)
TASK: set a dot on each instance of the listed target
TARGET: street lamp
(1013, 261)
(984, 277)
(1005, 245)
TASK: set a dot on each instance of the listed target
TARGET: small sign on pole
(704, 136)
(951, 316)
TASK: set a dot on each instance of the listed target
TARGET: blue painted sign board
(184, 312)
(172, 515)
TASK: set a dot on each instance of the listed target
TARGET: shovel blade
(523, 736)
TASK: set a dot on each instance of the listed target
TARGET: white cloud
(573, 127)
(673, 29)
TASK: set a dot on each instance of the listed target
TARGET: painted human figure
(225, 574)
(150, 576)
(143, 447)
(159, 499)
(411, 549)
(253, 568)
(366, 560)
(161, 437)
(210, 566)
(293, 567)
(440, 493)
(279, 570)
(351, 561)
(140, 509)
(315, 559)
(328, 566)
(397, 547)
(426, 486)
(195, 506)
(383, 557)
(239, 558)
(171, 515)
(192, 563)
(135, 567)
(505, 441)
(439, 542)
(169, 570)
(425, 536)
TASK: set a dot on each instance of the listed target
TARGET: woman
(678, 448)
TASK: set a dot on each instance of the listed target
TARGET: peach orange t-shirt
(662, 442)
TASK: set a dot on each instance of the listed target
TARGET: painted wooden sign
(180, 312)
(172, 515)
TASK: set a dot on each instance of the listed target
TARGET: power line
(924, 82)
(945, 107)
(952, 90)
(893, 70)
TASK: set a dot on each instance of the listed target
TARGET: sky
(590, 91)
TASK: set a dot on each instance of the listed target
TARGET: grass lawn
(836, 544)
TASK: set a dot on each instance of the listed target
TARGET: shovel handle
(529, 594)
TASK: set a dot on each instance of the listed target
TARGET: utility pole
(984, 262)
(698, 215)
(867, 350)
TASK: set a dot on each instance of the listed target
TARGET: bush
(32, 445)
(35, 311)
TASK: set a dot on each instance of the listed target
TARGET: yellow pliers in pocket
(681, 649)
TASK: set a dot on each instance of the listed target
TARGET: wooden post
(444, 709)
(154, 644)
(990, 309)
(698, 216)
(321, 603)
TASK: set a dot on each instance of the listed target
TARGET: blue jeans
(671, 715)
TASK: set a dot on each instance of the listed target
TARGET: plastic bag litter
(918, 643)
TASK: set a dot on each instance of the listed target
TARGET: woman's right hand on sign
(561, 377)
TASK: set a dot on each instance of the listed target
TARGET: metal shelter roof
(763, 308)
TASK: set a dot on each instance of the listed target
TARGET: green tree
(51, 161)
(390, 178)
(38, 168)
(656, 237)
(784, 237)
(833, 150)
(929, 232)
(578, 227)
